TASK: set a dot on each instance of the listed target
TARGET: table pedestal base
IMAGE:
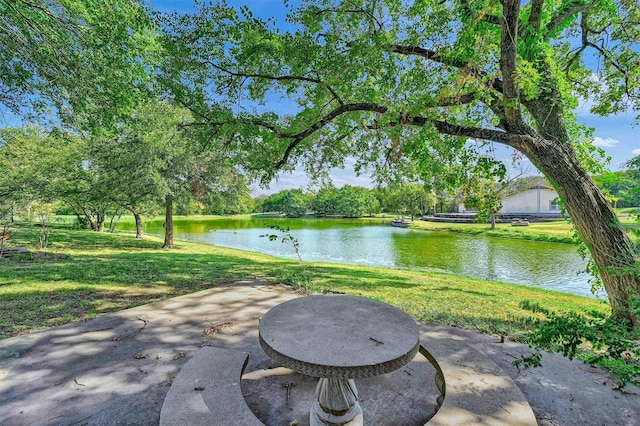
(336, 403)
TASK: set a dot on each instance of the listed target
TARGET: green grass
(83, 274)
(558, 232)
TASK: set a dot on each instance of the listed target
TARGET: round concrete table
(338, 338)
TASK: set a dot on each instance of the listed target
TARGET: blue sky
(617, 134)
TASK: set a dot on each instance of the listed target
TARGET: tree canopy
(90, 60)
(402, 85)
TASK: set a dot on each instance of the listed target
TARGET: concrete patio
(118, 369)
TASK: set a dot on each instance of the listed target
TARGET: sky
(615, 134)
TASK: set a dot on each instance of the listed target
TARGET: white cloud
(636, 151)
(584, 107)
(605, 142)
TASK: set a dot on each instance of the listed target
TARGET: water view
(548, 265)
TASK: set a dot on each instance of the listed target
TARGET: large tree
(29, 158)
(139, 160)
(160, 155)
(412, 199)
(390, 80)
(352, 201)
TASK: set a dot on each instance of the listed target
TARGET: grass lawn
(559, 232)
(83, 274)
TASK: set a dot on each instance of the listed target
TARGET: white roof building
(539, 199)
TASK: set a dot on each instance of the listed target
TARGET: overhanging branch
(511, 139)
(285, 77)
(507, 138)
(430, 54)
(433, 55)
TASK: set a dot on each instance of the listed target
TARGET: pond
(548, 265)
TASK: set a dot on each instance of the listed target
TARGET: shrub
(606, 341)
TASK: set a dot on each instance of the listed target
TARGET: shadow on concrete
(117, 369)
(279, 396)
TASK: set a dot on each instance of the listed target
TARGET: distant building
(538, 199)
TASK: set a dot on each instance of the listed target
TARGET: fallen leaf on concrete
(180, 355)
(622, 390)
(216, 327)
(140, 355)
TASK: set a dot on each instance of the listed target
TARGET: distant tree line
(146, 169)
(149, 168)
(409, 199)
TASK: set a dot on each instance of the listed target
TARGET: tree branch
(585, 42)
(42, 9)
(512, 139)
(585, 31)
(616, 65)
(193, 110)
(574, 7)
(263, 76)
(342, 109)
(491, 19)
(277, 78)
(535, 17)
(508, 64)
(432, 55)
(506, 138)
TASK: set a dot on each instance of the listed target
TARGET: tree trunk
(5, 228)
(100, 218)
(493, 220)
(549, 147)
(168, 223)
(113, 224)
(138, 217)
(610, 247)
(92, 223)
(80, 220)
